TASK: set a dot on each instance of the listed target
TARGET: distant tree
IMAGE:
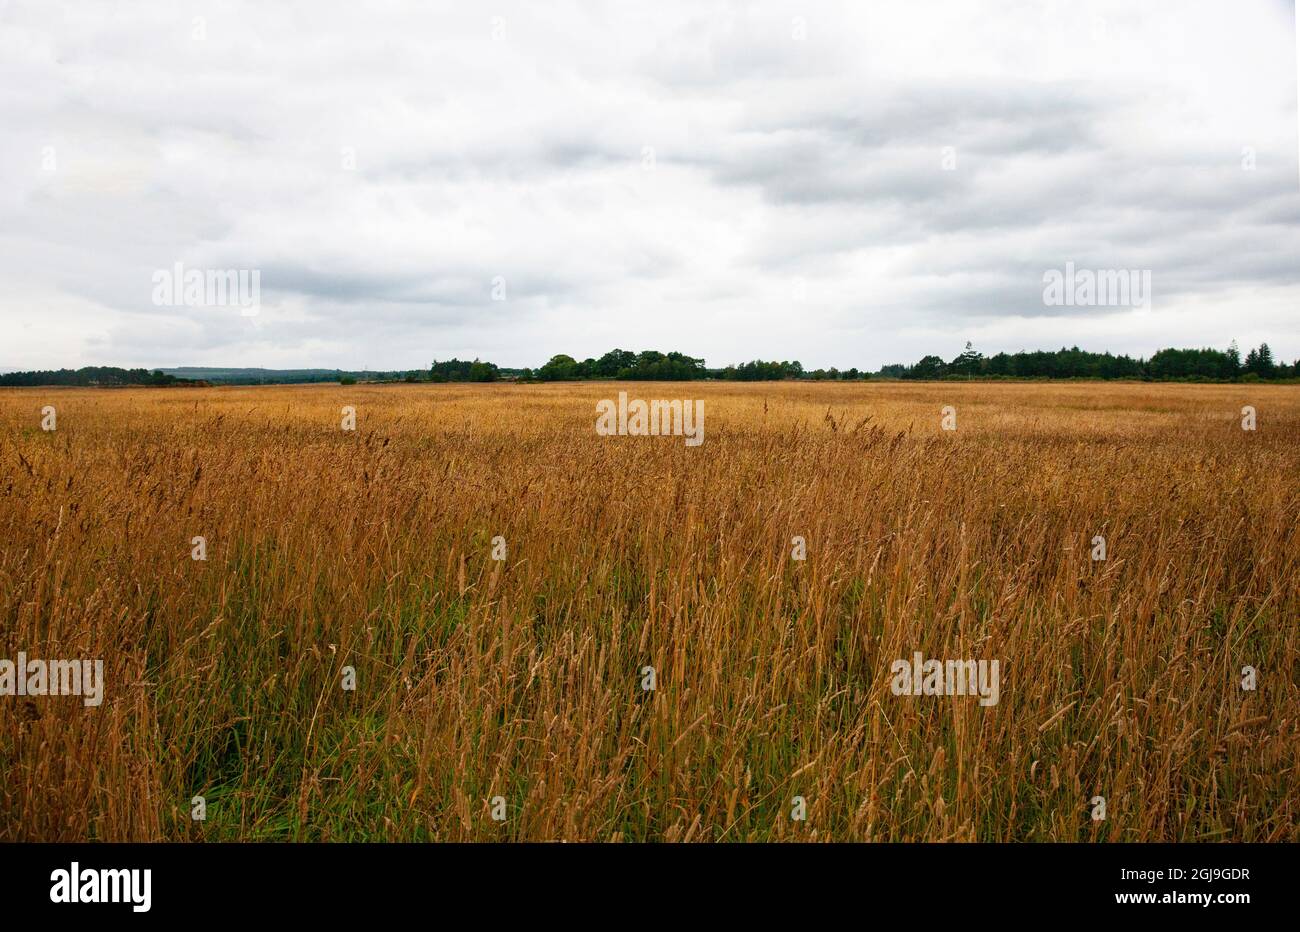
(929, 367)
(999, 365)
(609, 365)
(558, 368)
(1265, 362)
(482, 372)
(759, 371)
(95, 375)
(968, 363)
(462, 370)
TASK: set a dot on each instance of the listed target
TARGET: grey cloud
(776, 159)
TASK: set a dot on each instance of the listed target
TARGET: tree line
(651, 365)
(93, 375)
(1073, 363)
(1165, 365)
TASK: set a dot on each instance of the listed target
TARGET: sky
(848, 184)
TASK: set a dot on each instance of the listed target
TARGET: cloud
(845, 184)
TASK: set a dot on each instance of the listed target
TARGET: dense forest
(1193, 365)
(1073, 363)
(93, 375)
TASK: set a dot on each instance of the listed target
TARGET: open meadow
(350, 660)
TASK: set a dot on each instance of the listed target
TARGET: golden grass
(521, 678)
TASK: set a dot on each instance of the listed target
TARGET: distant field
(523, 678)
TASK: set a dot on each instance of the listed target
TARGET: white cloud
(1107, 134)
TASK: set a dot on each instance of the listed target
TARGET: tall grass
(521, 678)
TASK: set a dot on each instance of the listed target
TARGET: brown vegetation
(521, 678)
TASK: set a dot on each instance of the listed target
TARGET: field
(515, 688)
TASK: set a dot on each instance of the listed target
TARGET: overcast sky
(733, 180)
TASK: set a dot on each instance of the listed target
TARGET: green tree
(928, 367)
(968, 363)
(558, 368)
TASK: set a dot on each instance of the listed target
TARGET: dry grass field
(522, 678)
